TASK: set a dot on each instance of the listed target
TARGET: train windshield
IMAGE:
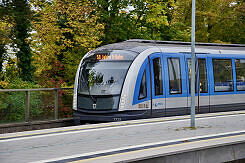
(102, 75)
(102, 78)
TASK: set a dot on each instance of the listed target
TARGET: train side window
(157, 69)
(175, 83)
(202, 71)
(143, 87)
(240, 74)
(223, 77)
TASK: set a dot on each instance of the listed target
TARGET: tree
(146, 19)
(218, 21)
(152, 18)
(5, 32)
(116, 19)
(65, 31)
(18, 14)
(22, 15)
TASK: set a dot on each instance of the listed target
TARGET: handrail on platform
(27, 110)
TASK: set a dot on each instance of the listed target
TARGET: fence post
(56, 103)
(27, 113)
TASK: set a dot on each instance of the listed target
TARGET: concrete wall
(211, 155)
(36, 125)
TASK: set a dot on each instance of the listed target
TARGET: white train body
(141, 79)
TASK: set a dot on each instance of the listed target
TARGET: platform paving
(29, 147)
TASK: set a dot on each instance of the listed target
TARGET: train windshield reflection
(102, 78)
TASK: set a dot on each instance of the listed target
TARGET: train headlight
(74, 106)
(122, 101)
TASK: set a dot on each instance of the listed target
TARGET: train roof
(139, 45)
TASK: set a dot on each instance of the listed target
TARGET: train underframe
(83, 117)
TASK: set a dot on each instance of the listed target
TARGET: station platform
(168, 138)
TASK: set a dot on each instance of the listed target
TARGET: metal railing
(28, 99)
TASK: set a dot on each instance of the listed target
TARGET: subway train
(148, 78)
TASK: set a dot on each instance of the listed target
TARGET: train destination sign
(109, 57)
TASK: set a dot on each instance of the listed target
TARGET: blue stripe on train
(224, 88)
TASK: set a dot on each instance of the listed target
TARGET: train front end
(98, 85)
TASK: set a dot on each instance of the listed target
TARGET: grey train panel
(203, 100)
(227, 99)
(176, 102)
(176, 105)
(227, 102)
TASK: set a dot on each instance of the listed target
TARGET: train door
(222, 84)
(176, 92)
(158, 88)
(202, 97)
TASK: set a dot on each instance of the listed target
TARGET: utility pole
(193, 66)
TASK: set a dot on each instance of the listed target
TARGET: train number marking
(117, 119)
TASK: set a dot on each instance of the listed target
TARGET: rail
(28, 99)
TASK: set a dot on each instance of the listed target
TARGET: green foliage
(12, 104)
(146, 19)
(220, 21)
(66, 30)
(11, 72)
(5, 34)
(62, 38)
(18, 14)
(12, 107)
(22, 15)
